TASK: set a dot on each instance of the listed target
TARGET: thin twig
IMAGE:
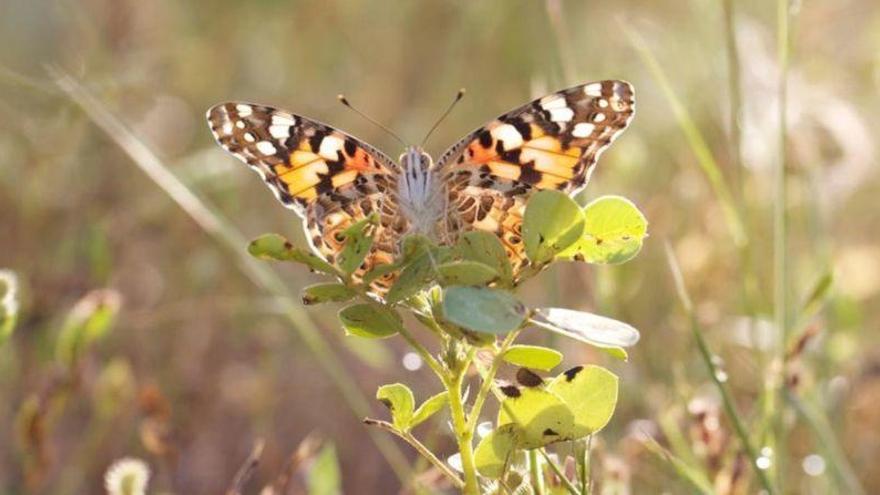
(420, 447)
(247, 469)
(559, 474)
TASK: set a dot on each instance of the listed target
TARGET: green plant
(463, 294)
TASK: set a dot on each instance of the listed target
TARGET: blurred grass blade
(843, 473)
(685, 471)
(222, 231)
(89, 321)
(716, 375)
(694, 138)
(8, 304)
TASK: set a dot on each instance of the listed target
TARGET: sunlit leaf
(415, 277)
(88, 321)
(370, 320)
(586, 327)
(818, 295)
(429, 408)
(613, 232)
(277, 248)
(8, 304)
(541, 416)
(551, 223)
(332, 292)
(398, 398)
(483, 309)
(533, 356)
(324, 477)
(591, 393)
(466, 273)
(356, 245)
(486, 248)
(496, 450)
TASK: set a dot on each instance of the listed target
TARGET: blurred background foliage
(198, 363)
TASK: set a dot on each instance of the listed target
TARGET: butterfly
(333, 180)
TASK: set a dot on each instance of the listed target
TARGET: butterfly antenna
(442, 117)
(342, 99)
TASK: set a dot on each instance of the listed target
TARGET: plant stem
(463, 434)
(780, 267)
(535, 474)
(488, 377)
(420, 447)
(559, 474)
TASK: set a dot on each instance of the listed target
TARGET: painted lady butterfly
(333, 180)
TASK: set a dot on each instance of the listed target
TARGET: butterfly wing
(551, 143)
(328, 177)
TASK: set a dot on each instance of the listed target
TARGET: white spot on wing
(227, 127)
(239, 124)
(508, 135)
(278, 119)
(599, 117)
(563, 114)
(279, 131)
(602, 102)
(243, 110)
(266, 148)
(249, 137)
(594, 89)
(582, 130)
(330, 145)
(552, 101)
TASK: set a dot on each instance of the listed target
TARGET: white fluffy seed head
(127, 476)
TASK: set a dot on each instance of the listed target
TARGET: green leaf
(613, 232)
(370, 320)
(591, 394)
(586, 327)
(496, 450)
(429, 408)
(818, 295)
(542, 417)
(616, 352)
(486, 248)
(533, 356)
(415, 277)
(277, 248)
(88, 321)
(466, 273)
(324, 477)
(356, 245)
(8, 304)
(332, 292)
(551, 223)
(483, 309)
(398, 398)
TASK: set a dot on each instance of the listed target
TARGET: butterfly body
(334, 180)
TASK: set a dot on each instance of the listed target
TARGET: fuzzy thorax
(420, 193)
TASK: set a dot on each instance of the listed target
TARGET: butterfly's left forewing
(551, 143)
(328, 177)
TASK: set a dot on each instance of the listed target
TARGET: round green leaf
(551, 223)
(414, 277)
(332, 292)
(533, 356)
(466, 273)
(482, 309)
(429, 408)
(370, 320)
(398, 398)
(586, 327)
(486, 248)
(276, 247)
(495, 451)
(541, 416)
(591, 394)
(613, 231)
(356, 246)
